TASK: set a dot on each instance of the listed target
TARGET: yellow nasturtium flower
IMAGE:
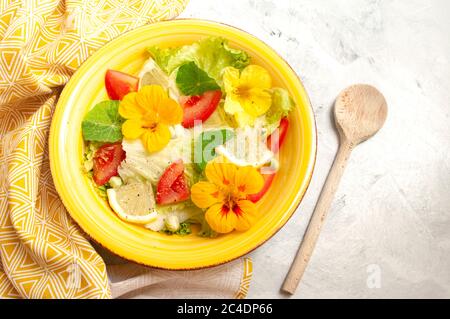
(225, 193)
(248, 95)
(148, 114)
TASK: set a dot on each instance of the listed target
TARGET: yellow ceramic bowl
(127, 53)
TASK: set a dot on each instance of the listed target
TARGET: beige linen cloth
(43, 253)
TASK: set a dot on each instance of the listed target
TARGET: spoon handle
(315, 224)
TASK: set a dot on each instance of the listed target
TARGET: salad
(191, 140)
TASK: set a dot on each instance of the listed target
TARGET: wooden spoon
(359, 112)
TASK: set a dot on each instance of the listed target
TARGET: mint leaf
(103, 123)
(193, 81)
(204, 148)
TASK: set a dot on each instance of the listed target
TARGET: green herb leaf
(193, 81)
(185, 229)
(204, 148)
(103, 123)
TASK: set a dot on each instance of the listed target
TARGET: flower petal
(221, 174)
(128, 107)
(230, 78)
(244, 119)
(221, 219)
(246, 214)
(255, 76)
(205, 194)
(257, 102)
(248, 180)
(170, 112)
(232, 105)
(151, 96)
(150, 119)
(156, 139)
(132, 128)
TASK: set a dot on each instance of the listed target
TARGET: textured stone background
(392, 210)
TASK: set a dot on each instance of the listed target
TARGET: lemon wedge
(133, 203)
(246, 148)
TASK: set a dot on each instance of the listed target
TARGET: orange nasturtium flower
(224, 195)
(148, 114)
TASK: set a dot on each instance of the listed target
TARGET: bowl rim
(299, 197)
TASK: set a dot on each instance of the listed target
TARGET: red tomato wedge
(268, 179)
(199, 107)
(119, 84)
(276, 139)
(274, 142)
(106, 162)
(172, 186)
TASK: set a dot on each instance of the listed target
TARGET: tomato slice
(274, 142)
(106, 162)
(276, 139)
(199, 107)
(268, 179)
(180, 186)
(119, 84)
(172, 186)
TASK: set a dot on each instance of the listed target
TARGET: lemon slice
(151, 73)
(133, 203)
(247, 148)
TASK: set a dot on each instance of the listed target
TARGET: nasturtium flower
(225, 193)
(148, 114)
(248, 95)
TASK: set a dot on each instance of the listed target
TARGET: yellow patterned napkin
(43, 253)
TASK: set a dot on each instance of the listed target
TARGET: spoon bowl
(360, 111)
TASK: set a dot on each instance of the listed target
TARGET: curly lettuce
(211, 55)
(282, 104)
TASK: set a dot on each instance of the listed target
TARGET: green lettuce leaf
(193, 81)
(211, 55)
(282, 104)
(103, 123)
(164, 57)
